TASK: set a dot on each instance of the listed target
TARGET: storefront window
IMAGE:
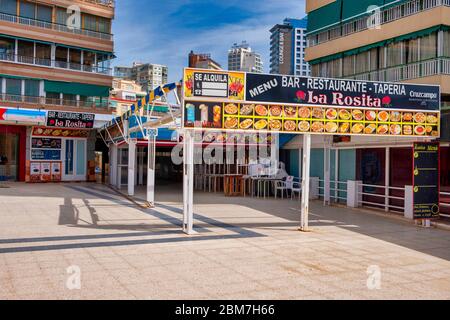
(9, 143)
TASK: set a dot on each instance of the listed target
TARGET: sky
(165, 31)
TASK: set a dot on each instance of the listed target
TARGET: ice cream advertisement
(22, 116)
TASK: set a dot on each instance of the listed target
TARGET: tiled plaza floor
(245, 249)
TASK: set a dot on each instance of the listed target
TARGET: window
(446, 44)
(61, 16)
(88, 60)
(7, 49)
(394, 54)
(8, 6)
(61, 57)
(95, 23)
(348, 67)
(43, 54)
(362, 62)
(14, 86)
(44, 13)
(75, 59)
(32, 88)
(428, 47)
(53, 98)
(25, 51)
(27, 9)
(411, 51)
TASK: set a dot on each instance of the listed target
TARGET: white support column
(275, 151)
(387, 179)
(188, 182)
(141, 166)
(151, 171)
(119, 169)
(336, 175)
(354, 194)
(304, 221)
(131, 166)
(113, 164)
(327, 175)
(300, 166)
(409, 202)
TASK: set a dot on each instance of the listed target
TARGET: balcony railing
(54, 26)
(12, 98)
(386, 16)
(409, 71)
(54, 63)
(107, 3)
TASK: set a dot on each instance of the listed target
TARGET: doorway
(74, 160)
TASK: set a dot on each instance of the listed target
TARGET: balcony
(56, 27)
(421, 69)
(57, 104)
(55, 64)
(389, 15)
(106, 3)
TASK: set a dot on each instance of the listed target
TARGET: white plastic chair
(280, 186)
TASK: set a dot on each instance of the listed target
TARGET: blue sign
(46, 155)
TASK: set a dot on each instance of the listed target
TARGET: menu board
(66, 133)
(56, 171)
(314, 120)
(45, 143)
(426, 180)
(289, 104)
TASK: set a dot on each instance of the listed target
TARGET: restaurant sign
(70, 120)
(290, 104)
(426, 180)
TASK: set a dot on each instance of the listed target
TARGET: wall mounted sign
(312, 105)
(65, 133)
(24, 116)
(61, 119)
(49, 155)
(426, 180)
(45, 143)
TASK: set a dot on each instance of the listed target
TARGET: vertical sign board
(426, 180)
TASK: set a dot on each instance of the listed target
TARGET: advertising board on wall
(70, 120)
(291, 104)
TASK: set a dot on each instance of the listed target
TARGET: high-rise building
(147, 75)
(287, 48)
(203, 61)
(55, 79)
(383, 40)
(242, 58)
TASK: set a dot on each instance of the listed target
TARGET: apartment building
(55, 79)
(202, 61)
(242, 58)
(124, 94)
(381, 40)
(149, 76)
(287, 48)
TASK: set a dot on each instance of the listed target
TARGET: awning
(87, 90)
(325, 17)
(352, 9)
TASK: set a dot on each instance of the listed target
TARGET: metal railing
(335, 190)
(54, 101)
(445, 204)
(386, 205)
(55, 64)
(414, 70)
(107, 3)
(54, 26)
(388, 15)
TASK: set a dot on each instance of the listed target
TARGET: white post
(275, 151)
(314, 190)
(300, 167)
(387, 181)
(119, 169)
(304, 221)
(336, 176)
(151, 171)
(131, 166)
(113, 164)
(141, 156)
(188, 182)
(409, 202)
(354, 193)
(327, 175)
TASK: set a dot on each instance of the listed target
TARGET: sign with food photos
(335, 108)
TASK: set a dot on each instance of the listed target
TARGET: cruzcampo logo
(416, 189)
(416, 172)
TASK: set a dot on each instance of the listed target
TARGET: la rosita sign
(258, 102)
(70, 120)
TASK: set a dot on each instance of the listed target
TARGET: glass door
(74, 160)
(9, 145)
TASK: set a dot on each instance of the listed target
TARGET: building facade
(55, 79)
(242, 58)
(202, 61)
(287, 48)
(147, 75)
(381, 40)
(124, 93)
